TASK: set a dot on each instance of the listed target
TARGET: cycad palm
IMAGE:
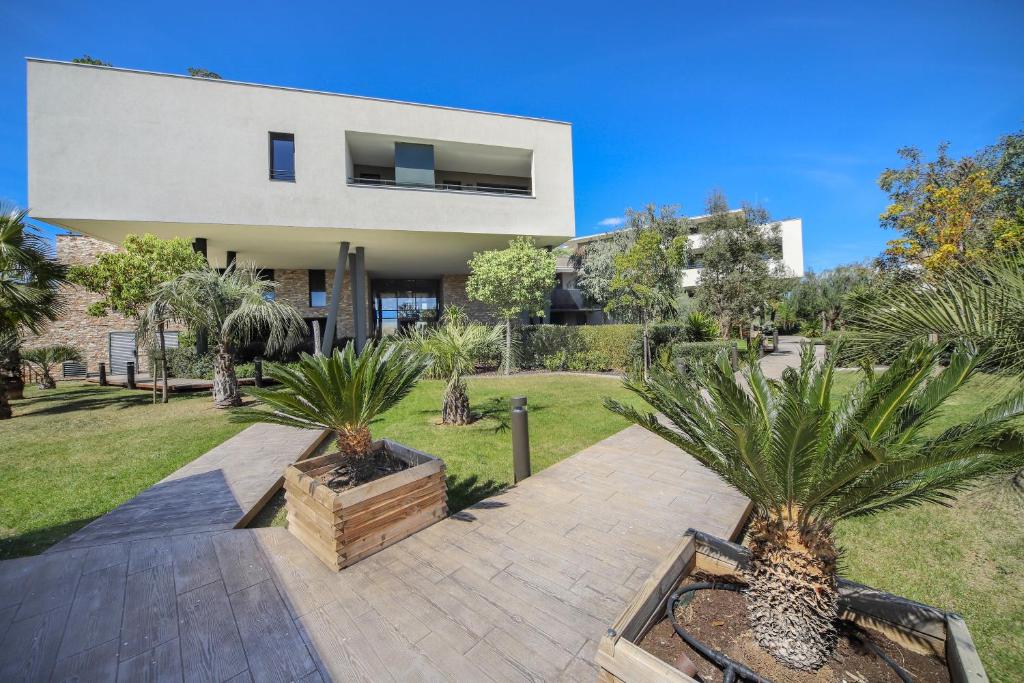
(29, 284)
(343, 392)
(46, 358)
(232, 308)
(807, 462)
(454, 349)
(981, 302)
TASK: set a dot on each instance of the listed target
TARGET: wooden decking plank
(147, 553)
(195, 562)
(500, 666)
(336, 647)
(405, 661)
(303, 579)
(105, 556)
(14, 576)
(98, 665)
(272, 644)
(95, 615)
(241, 562)
(29, 650)
(150, 611)
(161, 663)
(211, 648)
(51, 583)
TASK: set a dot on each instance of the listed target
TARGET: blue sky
(797, 106)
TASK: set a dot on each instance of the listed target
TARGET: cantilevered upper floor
(281, 175)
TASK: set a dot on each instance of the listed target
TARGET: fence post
(103, 374)
(734, 357)
(130, 372)
(258, 372)
(520, 439)
(775, 340)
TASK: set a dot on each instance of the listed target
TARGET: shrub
(810, 328)
(186, 363)
(700, 327)
(690, 354)
(582, 348)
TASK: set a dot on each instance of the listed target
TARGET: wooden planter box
(911, 624)
(342, 528)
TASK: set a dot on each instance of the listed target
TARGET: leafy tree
(127, 280)
(951, 210)
(344, 392)
(86, 59)
(740, 273)
(46, 358)
(595, 261)
(513, 281)
(454, 348)
(197, 72)
(29, 286)
(823, 296)
(232, 309)
(645, 282)
(806, 463)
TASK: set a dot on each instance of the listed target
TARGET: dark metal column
(335, 302)
(359, 298)
(520, 439)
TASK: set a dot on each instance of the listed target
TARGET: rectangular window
(317, 288)
(267, 274)
(451, 184)
(282, 156)
(369, 176)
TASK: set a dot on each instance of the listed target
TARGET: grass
(566, 416)
(968, 558)
(75, 452)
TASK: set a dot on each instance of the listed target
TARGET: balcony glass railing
(478, 187)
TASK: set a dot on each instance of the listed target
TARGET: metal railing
(479, 187)
(282, 174)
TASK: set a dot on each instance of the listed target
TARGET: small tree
(232, 308)
(46, 358)
(128, 279)
(86, 59)
(823, 296)
(645, 282)
(739, 275)
(513, 281)
(453, 349)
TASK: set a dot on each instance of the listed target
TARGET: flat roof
(289, 89)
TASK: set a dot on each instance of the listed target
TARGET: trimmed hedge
(184, 362)
(582, 348)
(689, 354)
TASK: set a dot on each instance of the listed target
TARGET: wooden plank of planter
(392, 534)
(385, 484)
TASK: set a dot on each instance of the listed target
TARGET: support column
(230, 259)
(335, 302)
(359, 298)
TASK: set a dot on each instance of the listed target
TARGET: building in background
(303, 184)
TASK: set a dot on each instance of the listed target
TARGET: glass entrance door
(400, 304)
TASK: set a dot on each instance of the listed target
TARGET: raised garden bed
(343, 527)
(914, 628)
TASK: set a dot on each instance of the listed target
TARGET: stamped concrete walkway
(519, 587)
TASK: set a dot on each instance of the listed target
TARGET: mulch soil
(719, 619)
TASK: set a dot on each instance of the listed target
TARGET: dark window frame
(280, 175)
(321, 290)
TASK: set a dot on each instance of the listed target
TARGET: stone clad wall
(75, 327)
(293, 288)
(453, 292)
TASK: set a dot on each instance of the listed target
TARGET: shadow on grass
(35, 542)
(69, 404)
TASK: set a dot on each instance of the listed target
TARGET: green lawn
(968, 558)
(566, 416)
(73, 453)
(76, 452)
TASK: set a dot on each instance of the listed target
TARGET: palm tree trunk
(225, 382)
(13, 384)
(793, 597)
(5, 406)
(455, 405)
(357, 447)
(47, 381)
(163, 363)
(508, 346)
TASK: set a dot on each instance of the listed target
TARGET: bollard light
(520, 439)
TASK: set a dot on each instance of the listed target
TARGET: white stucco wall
(117, 145)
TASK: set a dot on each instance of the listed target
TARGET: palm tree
(807, 462)
(232, 309)
(454, 349)
(29, 284)
(46, 358)
(982, 302)
(343, 392)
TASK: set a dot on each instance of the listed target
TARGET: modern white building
(304, 184)
(569, 306)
